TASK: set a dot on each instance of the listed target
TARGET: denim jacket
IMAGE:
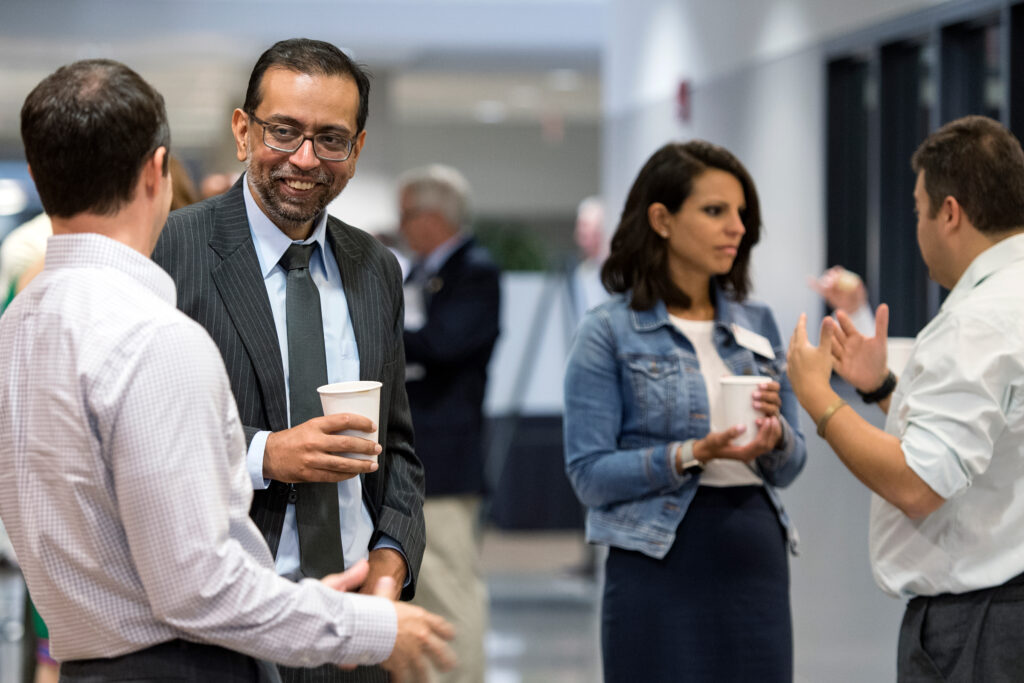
(633, 392)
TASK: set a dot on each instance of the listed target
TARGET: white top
(958, 410)
(719, 472)
(123, 481)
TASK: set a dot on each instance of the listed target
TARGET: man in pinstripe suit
(300, 133)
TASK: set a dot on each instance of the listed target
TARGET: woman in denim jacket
(697, 576)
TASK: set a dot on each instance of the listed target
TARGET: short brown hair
(980, 163)
(639, 257)
(88, 128)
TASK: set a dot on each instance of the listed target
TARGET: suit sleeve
(182, 250)
(401, 512)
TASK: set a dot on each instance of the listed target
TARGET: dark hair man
(122, 458)
(295, 299)
(947, 520)
(456, 287)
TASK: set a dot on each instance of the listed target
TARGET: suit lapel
(451, 265)
(240, 283)
(363, 292)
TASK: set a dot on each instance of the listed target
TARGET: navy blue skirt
(715, 609)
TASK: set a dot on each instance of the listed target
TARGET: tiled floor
(543, 609)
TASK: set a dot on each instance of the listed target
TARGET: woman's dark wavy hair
(639, 256)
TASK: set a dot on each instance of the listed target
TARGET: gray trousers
(964, 638)
(175, 660)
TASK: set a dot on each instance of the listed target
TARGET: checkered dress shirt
(123, 482)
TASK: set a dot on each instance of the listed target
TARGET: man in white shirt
(947, 520)
(122, 462)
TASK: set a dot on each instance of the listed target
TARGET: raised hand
(842, 289)
(809, 367)
(860, 360)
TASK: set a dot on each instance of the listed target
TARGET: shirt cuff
(386, 541)
(373, 638)
(254, 461)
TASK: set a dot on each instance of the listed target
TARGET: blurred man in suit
(296, 299)
(453, 294)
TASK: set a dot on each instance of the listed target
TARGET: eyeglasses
(281, 137)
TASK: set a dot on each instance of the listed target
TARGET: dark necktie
(316, 504)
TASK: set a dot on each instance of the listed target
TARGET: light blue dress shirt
(342, 366)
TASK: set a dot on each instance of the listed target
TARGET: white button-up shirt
(958, 411)
(123, 481)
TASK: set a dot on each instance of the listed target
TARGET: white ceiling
(493, 61)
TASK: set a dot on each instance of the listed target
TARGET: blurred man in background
(453, 295)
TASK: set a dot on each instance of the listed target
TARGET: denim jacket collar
(727, 312)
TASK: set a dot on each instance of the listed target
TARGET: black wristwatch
(882, 392)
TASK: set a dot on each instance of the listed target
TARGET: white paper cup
(358, 398)
(898, 353)
(737, 399)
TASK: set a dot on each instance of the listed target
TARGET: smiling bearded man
(296, 299)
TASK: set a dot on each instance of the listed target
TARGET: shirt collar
(995, 258)
(271, 242)
(442, 252)
(91, 250)
(727, 312)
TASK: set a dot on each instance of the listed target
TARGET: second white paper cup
(737, 399)
(359, 398)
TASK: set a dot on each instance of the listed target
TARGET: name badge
(753, 341)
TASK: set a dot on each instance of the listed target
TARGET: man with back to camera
(121, 452)
(456, 285)
(947, 520)
(295, 299)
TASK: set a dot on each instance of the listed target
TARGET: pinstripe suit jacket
(208, 250)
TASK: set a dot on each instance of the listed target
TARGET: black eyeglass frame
(302, 141)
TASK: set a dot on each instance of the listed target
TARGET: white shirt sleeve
(955, 404)
(201, 561)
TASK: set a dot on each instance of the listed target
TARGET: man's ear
(153, 172)
(240, 130)
(951, 213)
